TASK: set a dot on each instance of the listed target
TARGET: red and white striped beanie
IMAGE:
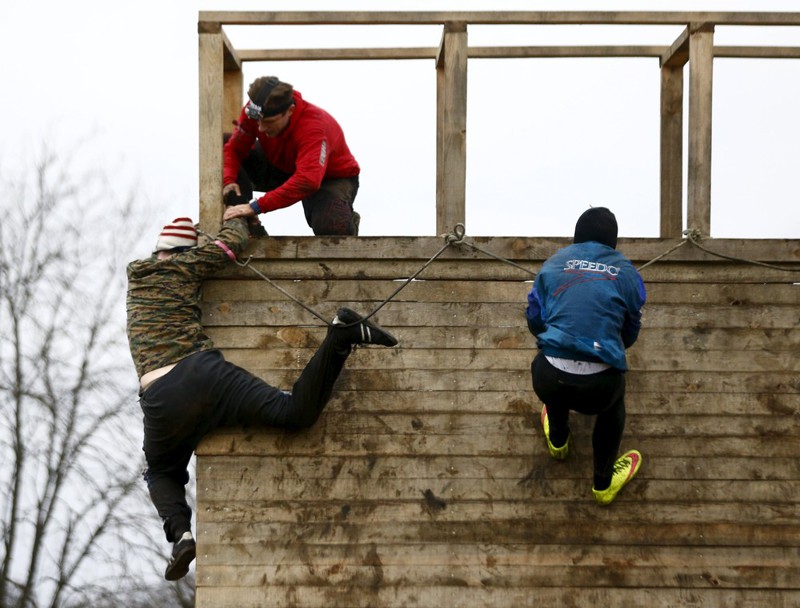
(178, 233)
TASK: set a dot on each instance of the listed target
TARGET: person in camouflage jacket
(187, 388)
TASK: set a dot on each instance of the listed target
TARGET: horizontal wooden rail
(215, 18)
(516, 52)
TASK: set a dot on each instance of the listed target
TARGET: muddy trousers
(204, 392)
(601, 395)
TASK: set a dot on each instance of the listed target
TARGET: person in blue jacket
(585, 309)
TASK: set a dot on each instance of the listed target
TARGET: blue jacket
(586, 304)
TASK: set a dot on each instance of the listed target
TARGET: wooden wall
(427, 481)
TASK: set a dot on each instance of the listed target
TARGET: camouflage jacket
(164, 316)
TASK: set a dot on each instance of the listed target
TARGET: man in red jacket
(292, 151)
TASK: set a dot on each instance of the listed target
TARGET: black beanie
(597, 224)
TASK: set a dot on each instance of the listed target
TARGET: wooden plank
(650, 338)
(515, 468)
(671, 149)
(566, 51)
(451, 155)
(455, 315)
(498, 17)
(525, 403)
(477, 360)
(232, 99)
(368, 505)
(519, 554)
(522, 249)
(494, 425)
(757, 52)
(478, 270)
(360, 574)
(677, 55)
(444, 290)
(210, 138)
(341, 54)
(232, 338)
(503, 52)
(700, 339)
(232, 86)
(252, 486)
(231, 62)
(465, 596)
(324, 439)
(579, 522)
(401, 523)
(715, 293)
(698, 211)
(716, 384)
(441, 120)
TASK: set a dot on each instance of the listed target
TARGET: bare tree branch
(72, 503)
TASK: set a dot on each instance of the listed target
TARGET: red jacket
(311, 147)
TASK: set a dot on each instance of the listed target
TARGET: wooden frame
(221, 86)
(221, 89)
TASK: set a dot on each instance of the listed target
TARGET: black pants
(204, 392)
(601, 395)
(328, 211)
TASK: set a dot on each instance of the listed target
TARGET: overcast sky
(546, 138)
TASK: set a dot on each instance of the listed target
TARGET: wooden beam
(232, 99)
(758, 52)
(440, 52)
(210, 135)
(498, 18)
(667, 55)
(232, 85)
(521, 52)
(357, 54)
(678, 53)
(451, 170)
(523, 249)
(230, 58)
(439, 125)
(671, 164)
(701, 43)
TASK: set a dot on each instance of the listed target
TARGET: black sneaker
(361, 331)
(183, 554)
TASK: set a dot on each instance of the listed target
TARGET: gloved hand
(232, 195)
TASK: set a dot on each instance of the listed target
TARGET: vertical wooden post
(210, 135)
(701, 60)
(671, 151)
(671, 167)
(451, 128)
(232, 86)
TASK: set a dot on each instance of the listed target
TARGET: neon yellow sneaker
(624, 469)
(557, 453)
